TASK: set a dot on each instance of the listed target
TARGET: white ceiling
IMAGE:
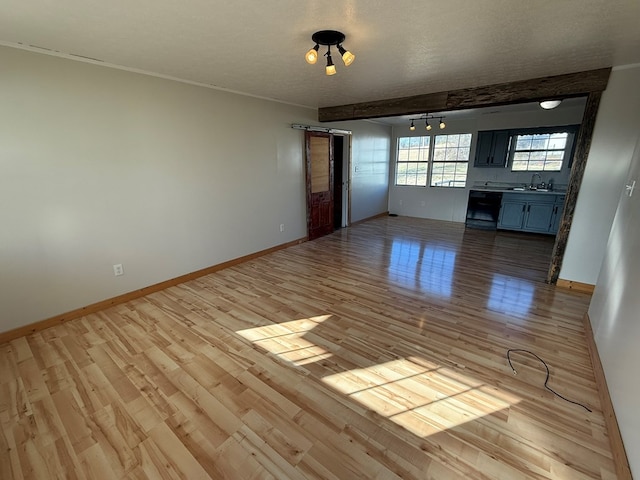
(402, 47)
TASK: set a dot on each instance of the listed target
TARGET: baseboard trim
(126, 297)
(623, 470)
(576, 286)
(379, 215)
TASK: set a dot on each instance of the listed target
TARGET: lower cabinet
(557, 214)
(511, 214)
(531, 212)
(538, 217)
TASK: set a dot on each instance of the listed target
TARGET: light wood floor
(377, 352)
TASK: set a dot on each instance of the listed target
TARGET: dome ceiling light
(550, 104)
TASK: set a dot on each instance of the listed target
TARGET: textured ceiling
(402, 47)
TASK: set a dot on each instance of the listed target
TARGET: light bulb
(412, 127)
(330, 69)
(347, 56)
(442, 125)
(312, 55)
(428, 127)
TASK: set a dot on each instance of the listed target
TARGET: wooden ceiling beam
(558, 86)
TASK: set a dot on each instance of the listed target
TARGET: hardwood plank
(153, 463)
(383, 363)
(95, 464)
(177, 454)
(118, 437)
(10, 464)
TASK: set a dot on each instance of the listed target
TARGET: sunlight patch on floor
(421, 398)
(286, 340)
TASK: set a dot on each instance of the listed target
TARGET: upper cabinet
(528, 149)
(492, 149)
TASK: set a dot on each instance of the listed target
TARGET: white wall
(615, 313)
(451, 203)
(101, 166)
(370, 169)
(614, 137)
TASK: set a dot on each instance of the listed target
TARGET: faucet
(533, 177)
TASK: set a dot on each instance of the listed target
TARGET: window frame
(429, 161)
(416, 162)
(445, 162)
(567, 160)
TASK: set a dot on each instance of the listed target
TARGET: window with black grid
(413, 161)
(450, 160)
(544, 152)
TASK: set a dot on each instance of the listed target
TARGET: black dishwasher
(483, 209)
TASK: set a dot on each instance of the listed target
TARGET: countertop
(517, 189)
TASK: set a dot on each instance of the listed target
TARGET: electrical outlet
(118, 270)
(400, 202)
(282, 227)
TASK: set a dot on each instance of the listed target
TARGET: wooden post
(583, 144)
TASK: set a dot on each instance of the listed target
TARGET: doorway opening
(328, 178)
(341, 161)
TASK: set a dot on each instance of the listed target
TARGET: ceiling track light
(329, 38)
(427, 125)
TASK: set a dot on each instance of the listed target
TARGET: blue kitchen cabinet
(492, 149)
(530, 212)
(511, 214)
(538, 217)
(557, 214)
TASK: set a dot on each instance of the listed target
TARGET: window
(450, 155)
(413, 161)
(543, 152)
(450, 160)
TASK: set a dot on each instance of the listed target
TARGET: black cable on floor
(546, 381)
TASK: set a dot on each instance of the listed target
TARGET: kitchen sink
(524, 189)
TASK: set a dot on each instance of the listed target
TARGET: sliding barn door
(319, 153)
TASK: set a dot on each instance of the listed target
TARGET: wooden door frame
(589, 84)
(307, 135)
